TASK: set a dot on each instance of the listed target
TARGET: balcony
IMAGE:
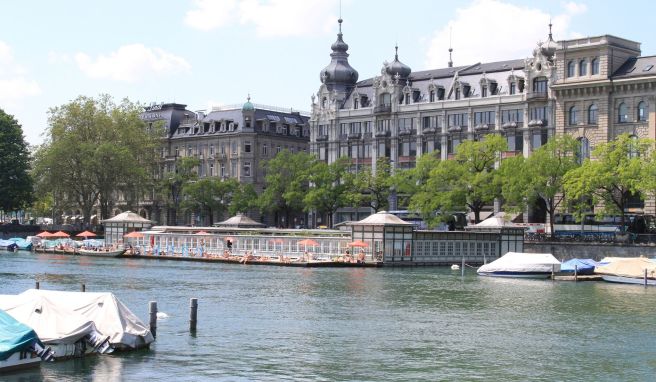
(353, 136)
(367, 135)
(483, 127)
(322, 138)
(509, 125)
(383, 109)
(455, 129)
(429, 130)
(537, 96)
(382, 133)
(407, 132)
(537, 123)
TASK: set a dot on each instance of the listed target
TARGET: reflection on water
(420, 324)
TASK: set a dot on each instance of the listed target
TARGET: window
(247, 147)
(642, 111)
(430, 122)
(584, 150)
(440, 94)
(592, 114)
(538, 114)
(278, 149)
(484, 118)
(571, 68)
(540, 85)
(211, 169)
(583, 67)
(622, 113)
(324, 102)
(512, 115)
(177, 151)
(223, 172)
(431, 96)
(515, 141)
(247, 168)
(572, 116)
(513, 88)
(233, 169)
(211, 150)
(595, 66)
(539, 138)
(452, 143)
(457, 120)
(284, 129)
(457, 96)
(385, 99)
(407, 98)
(234, 148)
(483, 91)
(633, 149)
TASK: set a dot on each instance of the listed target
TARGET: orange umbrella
(308, 243)
(358, 243)
(60, 234)
(86, 234)
(44, 234)
(134, 234)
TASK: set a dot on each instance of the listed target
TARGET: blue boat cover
(22, 243)
(585, 266)
(8, 244)
(14, 336)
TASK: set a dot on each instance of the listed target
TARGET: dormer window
(440, 94)
(356, 103)
(483, 91)
(457, 95)
(431, 96)
(513, 88)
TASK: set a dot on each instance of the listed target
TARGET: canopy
(134, 235)
(44, 234)
(14, 336)
(110, 316)
(628, 267)
(583, 266)
(522, 262)
(358, 243)
(308, 243)
(60, 234)
(240, 221)
(86, 234)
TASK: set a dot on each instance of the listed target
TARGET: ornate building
(593, 88)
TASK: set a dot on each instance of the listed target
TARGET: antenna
(450, 64)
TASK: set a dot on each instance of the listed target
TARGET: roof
(240, 221)
(127, 217)
(637, 67)
(382, 218)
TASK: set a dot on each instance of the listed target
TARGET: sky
(205, 53)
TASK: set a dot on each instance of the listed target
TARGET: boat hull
(628, 280)
(19, 361)
(116, 253)
(520, 275)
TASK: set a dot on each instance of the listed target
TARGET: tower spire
(550, 37)
(450, 64)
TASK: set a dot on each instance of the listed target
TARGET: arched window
(584, 150)
(592, 114)
(572, 116)
(431, 97)
(642, 111)
(540, 85)
(595, 66)
(324, 101)
(385, 99)
(622, 113)
(571, 68)
(583, 67)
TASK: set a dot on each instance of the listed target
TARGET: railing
(383, 109)
(321, 138)
(354, 136)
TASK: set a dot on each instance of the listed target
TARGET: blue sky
(203, 53)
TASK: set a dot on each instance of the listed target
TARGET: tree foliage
(612, 177)
(332, 185)
(173, 183)
(16, 188)
(373, 190)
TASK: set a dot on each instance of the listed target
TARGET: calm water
(259, 323)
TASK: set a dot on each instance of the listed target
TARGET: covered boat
(108, 313)
(630, 270)
(582, 266)
(521, 264)
(19, 345)
(68, 333)
(21, 243)
(8, 245)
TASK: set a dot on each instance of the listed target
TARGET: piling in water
(645, 279)
(152, 312)
(38, 285)
(576, 272)
(193, 314)
(83, 287)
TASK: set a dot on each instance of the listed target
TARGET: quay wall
(15, 230)
(564, 251)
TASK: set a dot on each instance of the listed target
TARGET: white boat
(521, 265)
(630, 270)
(67, 333)
(20, 347)
(110, 316)
(100, 252)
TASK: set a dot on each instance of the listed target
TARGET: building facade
(594, 88)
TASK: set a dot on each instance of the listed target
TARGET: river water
(262, 323)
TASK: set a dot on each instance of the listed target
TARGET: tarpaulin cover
(583, 266)
(14, 336)
(628, 267)
(522, 262)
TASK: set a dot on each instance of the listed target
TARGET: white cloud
(211, 14)
(58, 58)
(492, 30)
(14, 85)
(273, 18)
(131, 63)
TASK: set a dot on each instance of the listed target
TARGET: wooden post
(38, 285)
(462, 268)
(576, 272)
(645, 279)
(553, 272)
(83, 288)
(152, 311)
(193, 314)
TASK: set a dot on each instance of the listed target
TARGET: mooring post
(83, 287)
(553, 272)
(645, 279)
(576, 272)
(38, 285)
(152, 311)
(193, 314)
(462, 268)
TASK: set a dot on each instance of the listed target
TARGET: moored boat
(581, 266)
(101, 252)
(8, 245)
(631, 270)
(20, 347)
(521, 265)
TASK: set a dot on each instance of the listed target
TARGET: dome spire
(397, 67)
(339, 74)
(450, 63)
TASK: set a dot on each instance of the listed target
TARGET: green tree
(331, 187)
(172, 185)
(243, 198)
(614, 174)
(287, 184)
(467, 181)
(540, 176)
(16, 188)
(374, 190)
(411, 182)
(206, 196)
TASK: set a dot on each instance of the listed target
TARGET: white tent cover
(522, 262)
(110, 315)
(627, 267)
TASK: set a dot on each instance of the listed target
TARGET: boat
(68, 333)
(110, 316)
(630, 270)
(455, 267)
(8, 245)
(22, 244)
(100, 252)
(522, 265)
(581, 266)
(20, 347)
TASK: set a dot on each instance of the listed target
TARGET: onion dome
(248, 106)
(339, 74)
(398, 67)
(548, 49)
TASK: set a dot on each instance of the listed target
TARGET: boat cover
(10, 245)
(14, 336)
(55, 324)
(22, 243)
(628, 267)
(585, 266)
(110, 315)
(522, 262)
